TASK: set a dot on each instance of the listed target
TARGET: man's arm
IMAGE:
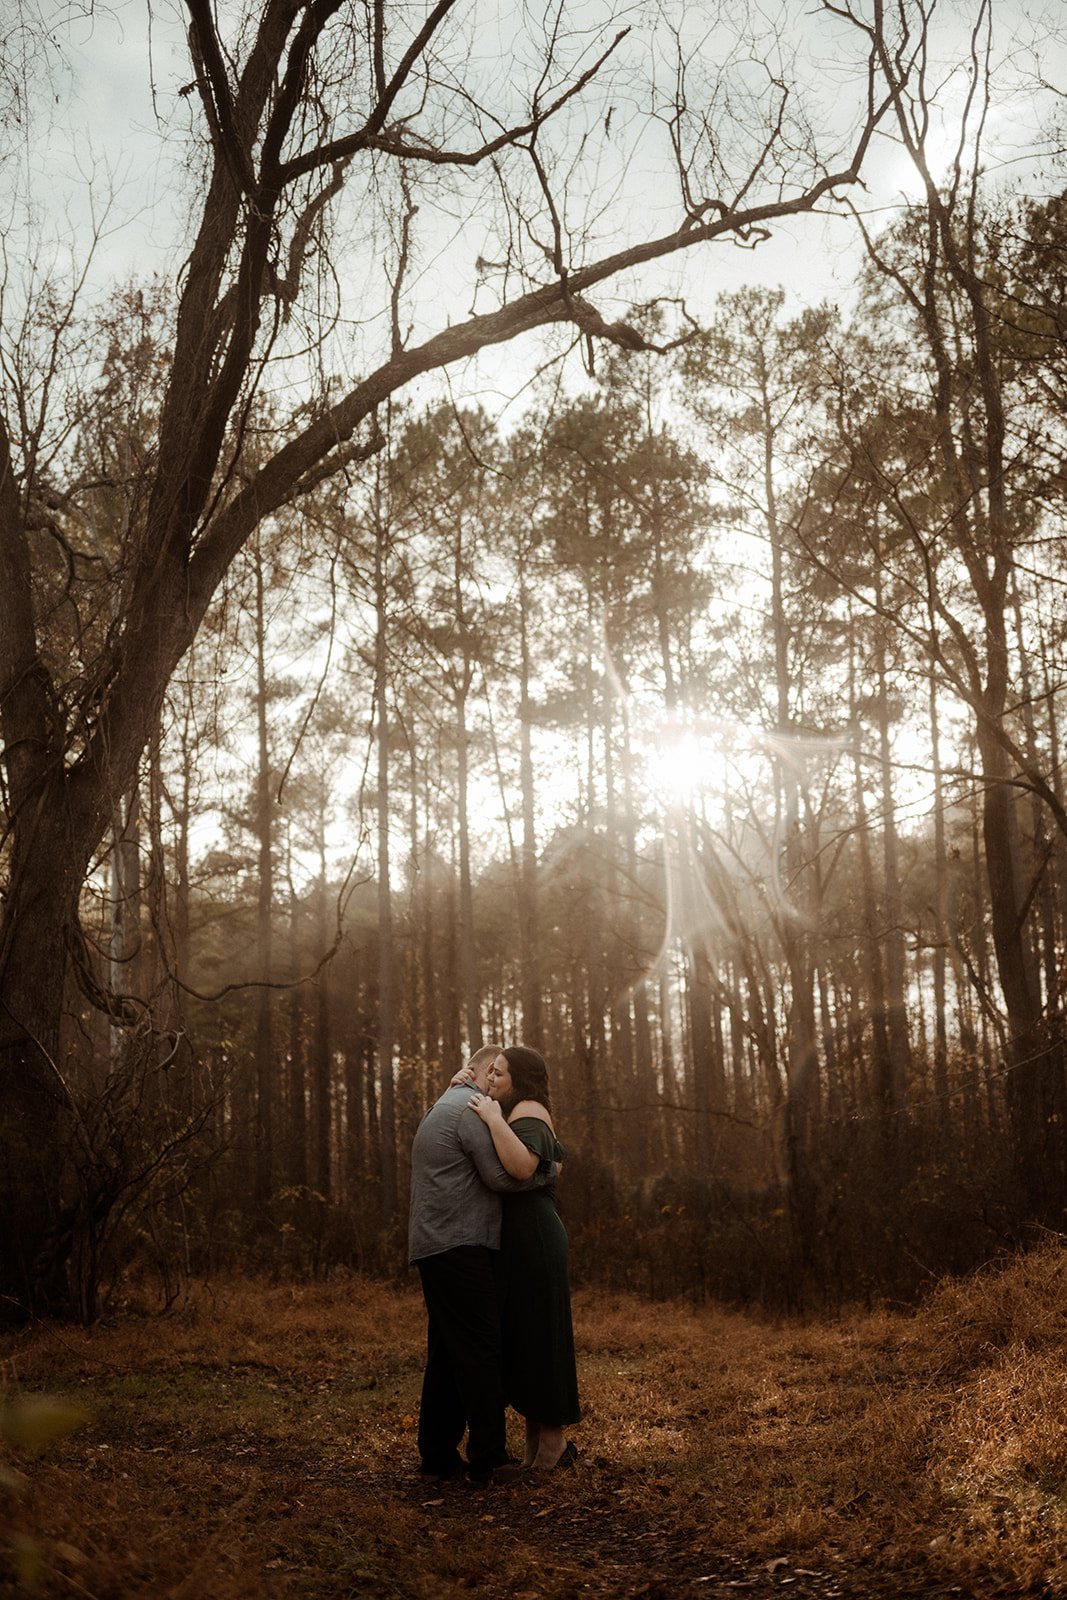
(477, 1142)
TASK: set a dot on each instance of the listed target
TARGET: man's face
(481, 1076)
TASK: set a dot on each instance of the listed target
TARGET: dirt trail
(585, 1538)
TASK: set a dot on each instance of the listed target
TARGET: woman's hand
(488, 1110)
(463, 1077)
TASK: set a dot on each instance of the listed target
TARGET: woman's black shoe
(567, 1459)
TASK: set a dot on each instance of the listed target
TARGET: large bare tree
(309, 116)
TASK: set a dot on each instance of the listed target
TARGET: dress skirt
(540, 1376)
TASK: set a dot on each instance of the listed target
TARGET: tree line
(699, 726)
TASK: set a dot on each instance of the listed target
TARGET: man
(453, 1239)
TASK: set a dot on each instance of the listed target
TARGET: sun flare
(683, 764)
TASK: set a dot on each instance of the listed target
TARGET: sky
(119, 119)
(118, 122)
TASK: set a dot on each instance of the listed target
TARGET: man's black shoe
(509, 1471)
(441, 1474)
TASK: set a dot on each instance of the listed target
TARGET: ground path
(261, 1446)
(589, 1540)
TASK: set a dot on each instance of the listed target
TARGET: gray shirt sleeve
(477, 1141)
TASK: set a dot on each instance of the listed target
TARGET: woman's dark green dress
(540, 1379)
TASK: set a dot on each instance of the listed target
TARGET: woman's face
(499, 1079)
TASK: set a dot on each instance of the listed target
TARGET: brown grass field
(260, 1442)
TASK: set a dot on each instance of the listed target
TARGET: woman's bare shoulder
(532, 1108)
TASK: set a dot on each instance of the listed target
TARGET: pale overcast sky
(118, 121)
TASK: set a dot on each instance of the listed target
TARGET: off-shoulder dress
(540, 1376)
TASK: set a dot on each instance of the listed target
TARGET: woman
(540, 1379)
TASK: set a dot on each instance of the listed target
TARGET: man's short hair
(487, 1053)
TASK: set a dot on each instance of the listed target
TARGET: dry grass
(261, 1443)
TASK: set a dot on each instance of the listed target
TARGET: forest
(693, 716)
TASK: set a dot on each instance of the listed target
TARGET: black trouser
(462, 1387)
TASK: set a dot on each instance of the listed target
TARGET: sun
(684, 763)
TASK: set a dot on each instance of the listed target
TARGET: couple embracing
(492, 1255)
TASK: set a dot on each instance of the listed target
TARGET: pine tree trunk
(941, 935)
(296, 1093)
(468, 963)
(386, 951)
(1037, 1103)
(707, 1088)
(264, 1036)
(529, 911)
(896, 1019)
(801, 1041)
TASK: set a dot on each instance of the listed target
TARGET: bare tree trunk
(529, 914)
(1059, 842)
(646, 1139)
(801, 1042)
(46, 873)
(321, 1040)
(264, 1036)
(1042, 853)
(897, 1040)
(468, 961)
(672, 1090)
(940, 908)
(619, 975)
(706, 1085)
(453, 1030)
(355, 1147)
(882, 1079)
(386, 950)
(296, 1096)
(414, 1011)
(431, 893)
(125, 901)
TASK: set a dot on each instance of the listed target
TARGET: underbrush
(261, 1442)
